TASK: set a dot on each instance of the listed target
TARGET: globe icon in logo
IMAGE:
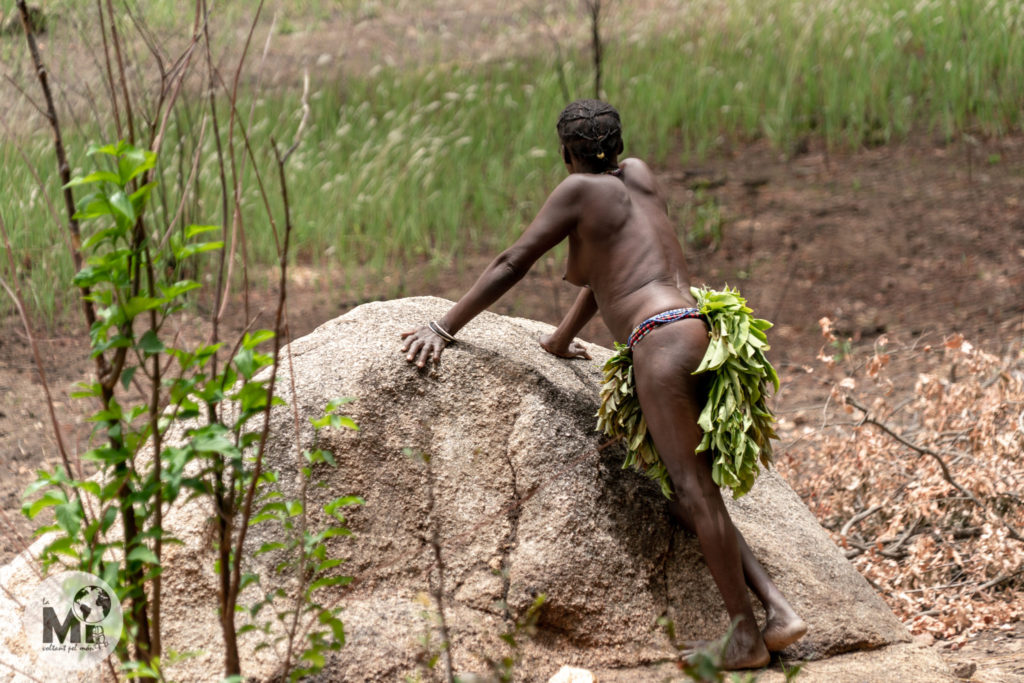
(91, 604)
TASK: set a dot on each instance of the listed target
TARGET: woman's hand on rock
(422, 345)
(572, 350)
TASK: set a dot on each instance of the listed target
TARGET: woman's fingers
(421, 346)
(424, 355)
(412, 348)
(578, 351)
(574, 350)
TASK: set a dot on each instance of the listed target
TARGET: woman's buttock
(675, 348)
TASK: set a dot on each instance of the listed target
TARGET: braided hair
(592, 131)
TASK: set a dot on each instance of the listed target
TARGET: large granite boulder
(527, 501)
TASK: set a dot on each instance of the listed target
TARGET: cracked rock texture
(525, 504)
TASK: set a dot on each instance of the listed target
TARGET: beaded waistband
(641, 330)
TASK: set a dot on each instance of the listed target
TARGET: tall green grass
(422, 165)
(854, 72)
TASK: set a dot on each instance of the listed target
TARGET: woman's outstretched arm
(560, 342)
(553, 223)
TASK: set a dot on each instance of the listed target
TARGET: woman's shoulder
(637, 170)
(635, 164)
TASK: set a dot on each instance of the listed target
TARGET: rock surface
(527, 502)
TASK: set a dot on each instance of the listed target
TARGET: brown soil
(922, 239)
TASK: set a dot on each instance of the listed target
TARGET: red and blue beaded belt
(642, 330)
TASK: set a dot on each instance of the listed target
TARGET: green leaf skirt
(737, 423)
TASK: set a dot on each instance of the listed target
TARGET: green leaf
(247, 579)
(69, 517)
(127, 374)
(245, 362)
(273, 507)
(193, 230)
(49, 499)
(65, 545)
(113, 149)
(268, 547)
(172, 292)
(89, 276)
(140, 304)
(339, 421)
(89, 486)
(140, 197)
(343, 501)
(328, 581)
(143, 553)
(328, 564)
(212, 439)
(252, 397)
(121, 205)
(150, 343)
(193, 249)
(94, 177)
(336, 403)
(109, 517)
(133, 162)
(251, 341)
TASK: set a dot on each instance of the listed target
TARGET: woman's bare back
(625, 249)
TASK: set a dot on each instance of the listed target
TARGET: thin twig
(12, 597)
(19, 303)
(946, 474)
(1003, 578)
(301, 568)
(109, 72)
(559, 55)
(185, 188)
(237, 222)
(859, 517)
(594, 7)
(115, 39)
(63, 167)
(19, 671)
(246, 512)
(303, 120)
(897, 545)
(28, 98)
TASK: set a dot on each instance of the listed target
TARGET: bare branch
(302, 122)
(859, 517)
(63, 167)
(946, 474)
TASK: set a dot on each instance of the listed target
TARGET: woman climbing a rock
(693, 432)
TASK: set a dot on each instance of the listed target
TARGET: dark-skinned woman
(624, 254)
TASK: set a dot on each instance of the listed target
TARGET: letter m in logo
(52, 624)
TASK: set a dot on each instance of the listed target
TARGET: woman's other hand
(572, 350)
(421, 345)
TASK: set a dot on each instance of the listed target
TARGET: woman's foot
(782, 629)
(742, 655)
(742, 651)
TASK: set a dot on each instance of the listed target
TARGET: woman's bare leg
(670, 399)
(783, 626)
